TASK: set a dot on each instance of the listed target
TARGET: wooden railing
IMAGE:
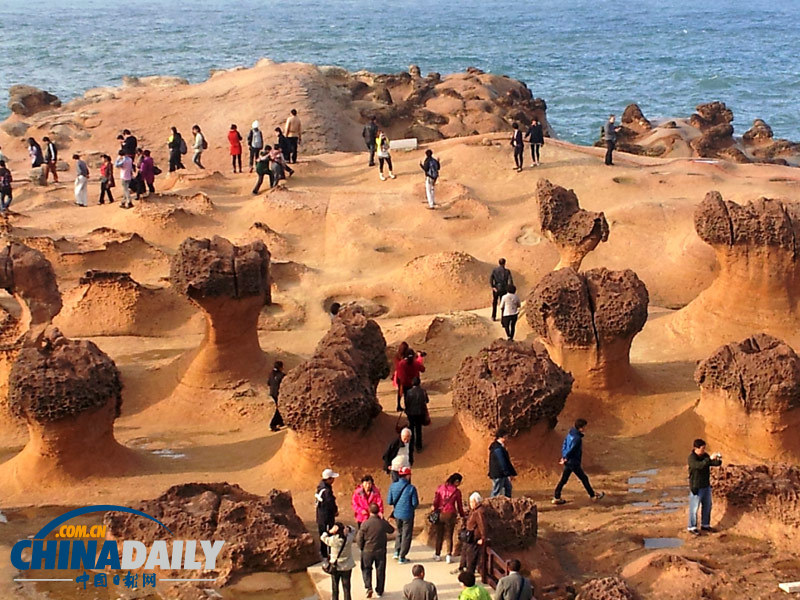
(492, 567)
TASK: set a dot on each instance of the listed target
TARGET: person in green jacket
(472, 590)
(262, 168)
(700, 464)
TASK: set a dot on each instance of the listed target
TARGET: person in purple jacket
(147, 169)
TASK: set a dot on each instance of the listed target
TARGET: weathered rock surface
(510, 385)
(26, 100)
(28, 276)
(262, 533)
(588, 320)
(575, 231)
(607, 588)
(336, 389)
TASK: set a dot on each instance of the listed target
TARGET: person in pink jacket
(448, 503)
(365, 494)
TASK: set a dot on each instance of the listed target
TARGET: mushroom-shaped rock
(231, 285)
(759, 272)
(335, 390)
(512, 386)
(750, 398)
(588, 320)
(575, 231)
(261, 533)
(633, 118)
(606, 588)
(69, 394)
(716, 132)
(760, 499)
(26, 100)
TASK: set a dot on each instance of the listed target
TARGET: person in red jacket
(399, 357)
(449, 504)
(365, 494)
(406, 371)
(235, 141)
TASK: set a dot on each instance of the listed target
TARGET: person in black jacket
(535, 135)
(369, 133)
(416, 401)
(700, 464)
(274, 383)
(129, 143)
(286, 149)
(500, 468)
(371, 540)
(401, 445)
(50, 159)
(327, 511)
(518, 143)
(174, 144)
(500, 279)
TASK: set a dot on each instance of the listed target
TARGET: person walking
(175, 143)
(447, 502)
(500, 468)
(327, 511)
(473, 536)
(50, 159)
(384, 156)
(294, 133)
(535, 135)
(400, 356)
(106, 179)
(471, 590)
(419, 589)
(262, 168)
(35, 152)
(509, 311)
(407, 371)
(499, 280)
(431, 169)
(700, 464)
(6, 192)
(370, 133)
(198, 146)
(610, 138)
(371, 541)
(255, 143)
(339, 540)
(403, 496)
(278, 166)
(235, 143)
(514, 586)
(81, 181)
(399, 454)
(125, 165)
(366, 494)
(518, 144)
(282, 142)
(416, 402)
(571, 457)
(147, 169)
(274, 383)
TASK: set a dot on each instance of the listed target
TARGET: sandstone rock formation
(761, 500)
(26, 100)
(575, 231)
(230, 284)
(262, 533)
(588, 320)
(335, 390)
(750, 398)
(509, 385)
(68, 392)
(606, 588)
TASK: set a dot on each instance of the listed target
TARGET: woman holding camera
(340, 540)
(473, 536)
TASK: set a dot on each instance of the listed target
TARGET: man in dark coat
(500, 468)
(700, 464)
(500, 279)
(416, 401)
(327, 511)
(371, 540)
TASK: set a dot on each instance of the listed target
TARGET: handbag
(328, 567)
(426, 418)
(466, 536)
(157, 171)
(433, 517)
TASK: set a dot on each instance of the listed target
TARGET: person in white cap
(255, 141)
(327, 510)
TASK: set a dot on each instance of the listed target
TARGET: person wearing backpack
(235, 142)
(5, 187)
(175, 144)
(431, 169)
(382, 145)
(50, 159)
(403, 496)
(199, 145)
(518, 143)
(255, 143)
(370, 133)
(535, 135)
(106, 180)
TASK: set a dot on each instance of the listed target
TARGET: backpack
(205, 143)
(257, 139)
(183, 148)
(433, 169)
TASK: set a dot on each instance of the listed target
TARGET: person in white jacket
(198, 146)
(509, 311)
(340, 540)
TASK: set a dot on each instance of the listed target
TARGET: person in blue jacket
(571, 455)
(403, 496)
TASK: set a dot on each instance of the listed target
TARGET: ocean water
(587, 58)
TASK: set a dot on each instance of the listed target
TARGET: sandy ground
(344, 235)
